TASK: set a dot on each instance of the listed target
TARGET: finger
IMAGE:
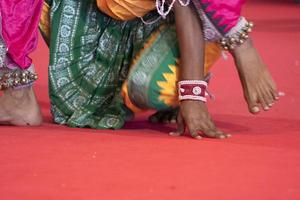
(194, 129)
(214, 134)
(220, 134)
(194, 134)
(173, 117)
(225, 134)
(156, 117)
(180, 127)
(165, 118)
(214, 131)
(209, 125)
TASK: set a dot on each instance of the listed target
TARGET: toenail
(255, 109)
(266, 108)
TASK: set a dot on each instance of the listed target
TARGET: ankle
(245, 47)
(18, 94)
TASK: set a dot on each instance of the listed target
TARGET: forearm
(191, 43)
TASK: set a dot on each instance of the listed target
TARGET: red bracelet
(192, 90)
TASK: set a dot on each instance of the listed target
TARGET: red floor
(260, 161)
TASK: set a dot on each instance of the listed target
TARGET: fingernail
(173, 121)
(270, 104)
(222, 137)
(281, 94)
(198, 137)
(229, 135)
(173, 134)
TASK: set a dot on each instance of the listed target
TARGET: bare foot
(165, 116)
(20, 108)
(258, 85)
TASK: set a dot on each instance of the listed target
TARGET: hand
(194, 116)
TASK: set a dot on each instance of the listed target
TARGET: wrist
(195, 90)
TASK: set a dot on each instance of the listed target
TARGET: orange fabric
(127, 101)
(44, 24)
(125, 9)
(212, 54)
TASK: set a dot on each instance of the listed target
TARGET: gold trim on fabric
(44, 24)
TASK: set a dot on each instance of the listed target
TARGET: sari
(103, 69)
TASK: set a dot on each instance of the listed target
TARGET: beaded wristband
(192, 90)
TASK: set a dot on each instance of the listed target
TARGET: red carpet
(260, 161)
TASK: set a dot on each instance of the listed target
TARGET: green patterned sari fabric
(90, 56)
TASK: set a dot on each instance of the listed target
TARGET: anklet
(12, 76)
(16, 78)
(236, 37)
(192, 90)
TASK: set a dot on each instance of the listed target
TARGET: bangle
(192, 90)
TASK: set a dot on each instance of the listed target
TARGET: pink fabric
(225, 12)
(20, 20)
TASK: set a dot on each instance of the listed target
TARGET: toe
(263, 103)
(269, 98)
(254, 109)
(266, 98)
(253, 106)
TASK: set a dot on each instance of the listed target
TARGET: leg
(18, 104)
(259, 88)
(258, 85)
